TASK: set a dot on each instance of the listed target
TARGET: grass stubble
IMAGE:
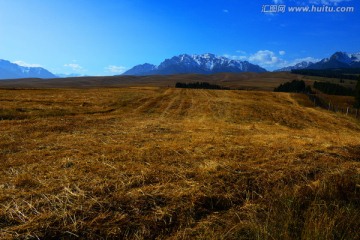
(163, 163)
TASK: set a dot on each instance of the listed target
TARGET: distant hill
(339, 73)
(198, 64)
(248, 80)
(10, 70)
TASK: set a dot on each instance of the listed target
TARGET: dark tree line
(295, 86)
(333, 89)
(347, 73)
(325, 87)
(200, 85)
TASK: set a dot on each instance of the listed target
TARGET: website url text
(306, 9)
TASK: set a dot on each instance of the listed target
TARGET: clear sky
(105, 37)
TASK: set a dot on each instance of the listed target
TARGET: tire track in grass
(169, 106)
(152, 103)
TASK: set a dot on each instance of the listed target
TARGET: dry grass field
(165, 163)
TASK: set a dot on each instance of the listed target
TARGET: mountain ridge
(337, 60)
(300, 65)
(9, 70)
(199, 64)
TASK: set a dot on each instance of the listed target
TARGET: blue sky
(106, 37)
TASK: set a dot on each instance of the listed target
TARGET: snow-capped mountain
(338, 60)
(201, 64)
(10, 70)
(297, 66)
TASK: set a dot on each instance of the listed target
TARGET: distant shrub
(333, 89)
(199, 85)
(296, 86)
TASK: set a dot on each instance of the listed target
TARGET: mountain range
(337, 60)
(200, 64)
(10, 70)
(185, 63)
(301, 65)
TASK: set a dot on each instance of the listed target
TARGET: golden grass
(158, 163)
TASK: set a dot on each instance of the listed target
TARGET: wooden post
(329, 106)
(347, 111)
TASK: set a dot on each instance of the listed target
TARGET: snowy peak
(304, 64)
(355, 57)
(201, 64)
(341, 57)
(10, 70)
(339, 60)
(346, 57)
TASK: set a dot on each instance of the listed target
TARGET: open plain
(164, 163)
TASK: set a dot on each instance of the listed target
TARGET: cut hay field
(165, 163)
